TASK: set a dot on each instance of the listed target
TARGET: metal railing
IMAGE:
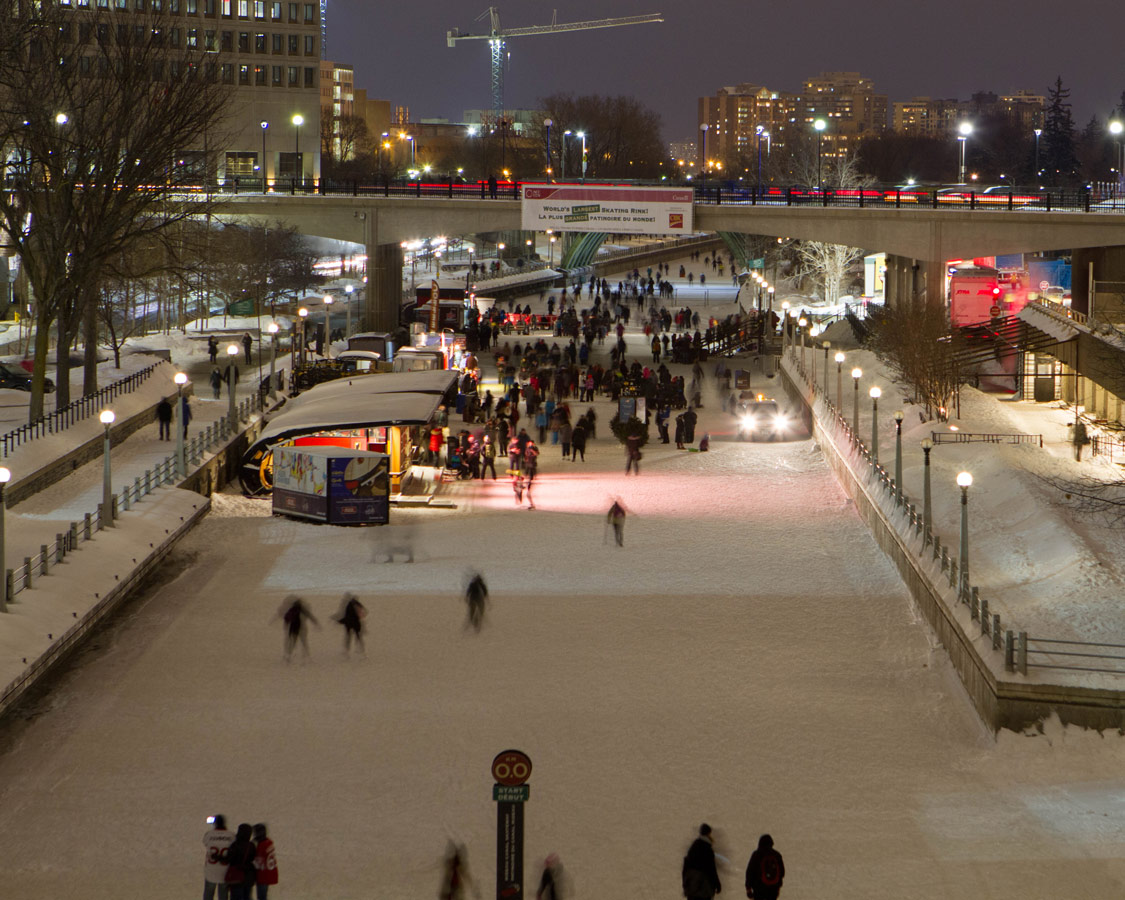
(23, 577)
(869, 197)
(1015, 645)
(978, 437)
(73, 412)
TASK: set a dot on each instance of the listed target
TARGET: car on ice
(762, 419)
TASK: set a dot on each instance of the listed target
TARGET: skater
(765, 871)
(247, 344)
(475, 596)
(213, 349)
(690, 418)
(164, 417)
(352, 614)
(216, 843)
(293, 613)
(217, 382)
(530, 470)
(633, 454)
(550, 884)
(455, 875)
(705, 442)
(681, 428)
(700, 878)
(616, 518)
(578, 441)
(241, 874)
(265, 862)
(488, 457)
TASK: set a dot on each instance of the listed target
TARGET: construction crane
(497, 36)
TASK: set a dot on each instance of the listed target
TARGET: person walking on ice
(351, 616)
(700, 877)
(765, 871)
(293, 613)
(616, 518)
(475, 596)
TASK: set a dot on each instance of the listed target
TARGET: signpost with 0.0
(511, 767)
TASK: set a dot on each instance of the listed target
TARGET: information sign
(607, 208)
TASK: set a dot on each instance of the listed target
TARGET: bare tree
(96, 106)
(623, 137)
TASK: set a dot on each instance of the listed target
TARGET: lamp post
(271, 329)
(927, 518)
(839, 381)
(547, 123)
(898, 455)
(703, 154)
(1039, 131)
(819, 125)
(827, 346)
(813, 332)
(106, 418)
(265, 127)
(857, 373)
(232, 355)
(801, 323)
(582, 134)
(551, 250)
(964, 481)
(1115, 128)
(5, 477)
(181, 426)
(769, 297)
(784, 325)
(349, 290)
(327, 326)
(302, 317)
(966, 128)
(298, 168)
(562, 165)
(875, 393)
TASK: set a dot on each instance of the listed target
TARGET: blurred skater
(352, 614)
(550, 884)
(293, 613)
(475, 596)
(616, 518)
(700, 877)
(455, 875)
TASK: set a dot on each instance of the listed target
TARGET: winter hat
(705, 829)
(260, 831)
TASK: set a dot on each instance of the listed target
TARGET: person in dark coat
(690, 418)
(578, 441)
(351, 617)
(550, 884)
(700, 877)
(247, 345)
(293, 613)
(241, 874)
(213, 349)
(164, 417)
(681, 431)
(765, 871)
(633, 454)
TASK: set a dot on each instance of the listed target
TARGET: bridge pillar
(384, 287)
(898, 283)
(1109, 266)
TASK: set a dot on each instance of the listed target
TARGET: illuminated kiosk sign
(606, 208)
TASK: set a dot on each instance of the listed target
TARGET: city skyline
(411, 65)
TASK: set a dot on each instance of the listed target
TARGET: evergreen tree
(1060, 162)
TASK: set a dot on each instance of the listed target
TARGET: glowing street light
(875, 393)
(839, 380)
(927, 520)
(232, 355)
(703, 153)
(964, 481)
(302, 317)
(582, 134)
(898, 455)
(298, 167)
(857, 373)
(181, 426)
(348, 290)
(265, 127)
(106, 418)
(272, 330)
(328, 325)
(965, 129)
(5, 477)
(819, 125)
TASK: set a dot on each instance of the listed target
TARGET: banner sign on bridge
(607, 208)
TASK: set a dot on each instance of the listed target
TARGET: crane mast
(497, 36)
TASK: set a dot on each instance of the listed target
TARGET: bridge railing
(869, 197)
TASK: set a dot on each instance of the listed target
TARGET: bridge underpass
(917, 241)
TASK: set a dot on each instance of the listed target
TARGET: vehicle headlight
(780, 422)
(749, 421)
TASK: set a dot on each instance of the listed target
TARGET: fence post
(73, 536)
(944, 560)
(27, 568)
(1022, 658)
(974, 604)
(58, 547)
(996, 631)
(101, 516)
(1009, 652)
(10, 583)
(86, 526)
(125, 498)
(113, 508)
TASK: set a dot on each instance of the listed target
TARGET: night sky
(949, 48)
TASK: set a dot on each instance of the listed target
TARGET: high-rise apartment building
(928, 117)
(337, 104)
(734, 116)
(848, 104)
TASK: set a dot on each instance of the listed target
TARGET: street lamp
(875, 393)
(181, 425)
(551, 250)
(265, 127)
(61, 118)
(703, 154)
(106, 418)
(582, 134)
(819, 125)
(827, 346)
(927, 519)
(566, 134)
(272, 329)
(5, 477)
(801, 323)
(298, 168)
(1115, 128)
(839, 381)
(758, 129)
(348, 290)
(784, 325)
(964, 481)
(966, 128)
(302, 317)
(232, 355)
(1039, 131)
(769, 297)
(898, 455)
(547, 123)
(857, 373)
(327, 325)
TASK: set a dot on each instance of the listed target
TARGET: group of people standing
(234, 864)
(700, 876)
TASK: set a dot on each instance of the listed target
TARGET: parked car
(17, 379)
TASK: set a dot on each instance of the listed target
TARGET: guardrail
(1015, 645)
(23, 577)
(869, 197)
(971, 437)
(73, 412)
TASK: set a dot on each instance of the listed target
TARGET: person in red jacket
(265, 862)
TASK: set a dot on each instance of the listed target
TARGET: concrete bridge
(918, 241)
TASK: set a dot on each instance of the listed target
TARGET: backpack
(769, 872)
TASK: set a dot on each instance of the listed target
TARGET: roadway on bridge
(749, 659)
